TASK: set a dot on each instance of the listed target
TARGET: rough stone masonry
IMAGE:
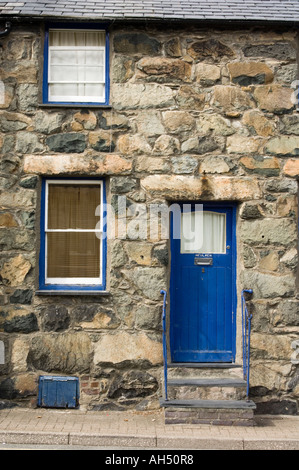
(196, 114)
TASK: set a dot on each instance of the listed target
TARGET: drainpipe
(7, 29)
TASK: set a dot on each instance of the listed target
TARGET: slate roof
(242, 10)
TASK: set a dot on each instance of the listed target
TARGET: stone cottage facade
(197, 113)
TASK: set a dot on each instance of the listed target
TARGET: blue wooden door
(203, 287)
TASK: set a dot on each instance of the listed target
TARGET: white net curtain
(76, 65)
(203, 232)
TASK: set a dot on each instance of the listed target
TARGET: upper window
(72, 254)
(75, 69)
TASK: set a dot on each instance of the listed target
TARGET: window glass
(203, 232)
(73, 206)
(73, 37)
(73, 236)
(73, 255)
(76, 65)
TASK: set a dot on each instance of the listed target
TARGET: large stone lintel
(76, 164)
(211, 188)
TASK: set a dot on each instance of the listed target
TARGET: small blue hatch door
(58, 392)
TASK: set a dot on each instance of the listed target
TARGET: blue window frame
(73, 235)
(76, 64)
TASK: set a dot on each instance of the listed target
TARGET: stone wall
(197, 115)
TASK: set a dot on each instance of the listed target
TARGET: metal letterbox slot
(203, 261)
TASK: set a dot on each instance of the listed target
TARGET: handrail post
(246, 331)
(164, 342)
(248, 357)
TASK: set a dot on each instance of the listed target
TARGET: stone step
(213, 412)
(204, 365)
(206, 393)
(215, 404)
(218, 370)
(206, 382)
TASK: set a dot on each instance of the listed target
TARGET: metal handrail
(164, 342)
(246, 331)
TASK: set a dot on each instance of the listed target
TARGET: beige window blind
(73, 240)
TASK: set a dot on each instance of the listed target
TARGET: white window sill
(73, 292)
(74, 105)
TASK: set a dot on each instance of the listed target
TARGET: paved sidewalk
(141, 430)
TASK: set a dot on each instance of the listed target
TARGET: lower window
(73, 235)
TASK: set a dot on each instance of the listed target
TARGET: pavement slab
(141, 430)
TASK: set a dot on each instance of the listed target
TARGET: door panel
(202, 289)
